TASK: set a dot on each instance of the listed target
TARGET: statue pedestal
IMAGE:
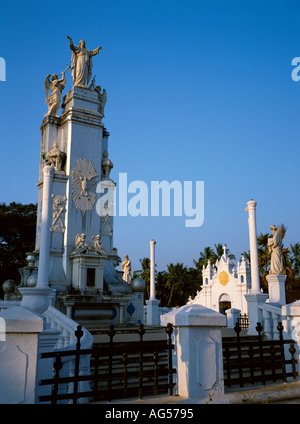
(255, 314)
(35, 298)
(276, 284)
(152, 312)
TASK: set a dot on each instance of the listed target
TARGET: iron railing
(243, 321)
(253, 359)
(118, 369)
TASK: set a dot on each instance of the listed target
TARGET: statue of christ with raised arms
(82, 63)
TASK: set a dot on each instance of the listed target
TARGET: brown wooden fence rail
(253, 359)
(118, 369)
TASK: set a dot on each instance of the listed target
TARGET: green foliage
(17, 236)
(144, 273)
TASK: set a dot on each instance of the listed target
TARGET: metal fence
(118, 369)
(253, 359)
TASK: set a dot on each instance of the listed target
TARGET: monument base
(255, 316)
(152, 312)
(276, 284)
(35, 298)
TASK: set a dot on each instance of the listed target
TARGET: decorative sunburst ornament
(223, 278)
(84, 180)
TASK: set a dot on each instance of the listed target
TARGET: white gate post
(198, 351)
(19, 348)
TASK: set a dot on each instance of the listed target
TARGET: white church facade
(225, 285)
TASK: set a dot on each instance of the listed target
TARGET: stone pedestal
(152, 312)
(255, 315)
(19, 355)
(198, 351)
(232, 317)
(35, 298)
(276, 285)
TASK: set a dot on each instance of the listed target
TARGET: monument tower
(82, 257)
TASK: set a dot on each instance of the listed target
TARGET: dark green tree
(144, 273)
(17, 236)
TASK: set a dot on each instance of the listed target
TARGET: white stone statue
(80, 243)
(274, 244)
(82, 63)
(107, 166)
(126, 268)
(56, 86)
(56, 157)
(98, 246)
(102, 99)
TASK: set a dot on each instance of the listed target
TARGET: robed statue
(274, 244)
(56, 85)
(82, 63)
(126, 268)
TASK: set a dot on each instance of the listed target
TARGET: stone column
(198, 354)
(255, 284)
(152, 269)
(255, 296)
(152, 303)
(43, 271)
(36, 298)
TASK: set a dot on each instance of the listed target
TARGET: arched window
(224, 303)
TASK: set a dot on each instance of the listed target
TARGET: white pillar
(255, 284)
(152, 270)
(37, 298)
(255, 297)
(43, 271)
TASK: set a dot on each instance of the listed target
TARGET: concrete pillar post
(43, 271)
(152, 270)
(251, 209)
(37, 298)
(198, 354)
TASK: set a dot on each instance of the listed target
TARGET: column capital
(251, 205)
(48, 171)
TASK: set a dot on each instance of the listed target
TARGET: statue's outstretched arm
(72, 47)
(96, 51)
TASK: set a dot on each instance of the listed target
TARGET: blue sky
(197, 91)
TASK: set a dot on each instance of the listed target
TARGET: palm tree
(161, 292)
(176, 282)
(144, 273)
(207, 255)
(295, 258)
(263, 258)
(246, 256)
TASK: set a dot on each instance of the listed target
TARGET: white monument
(74, 239)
